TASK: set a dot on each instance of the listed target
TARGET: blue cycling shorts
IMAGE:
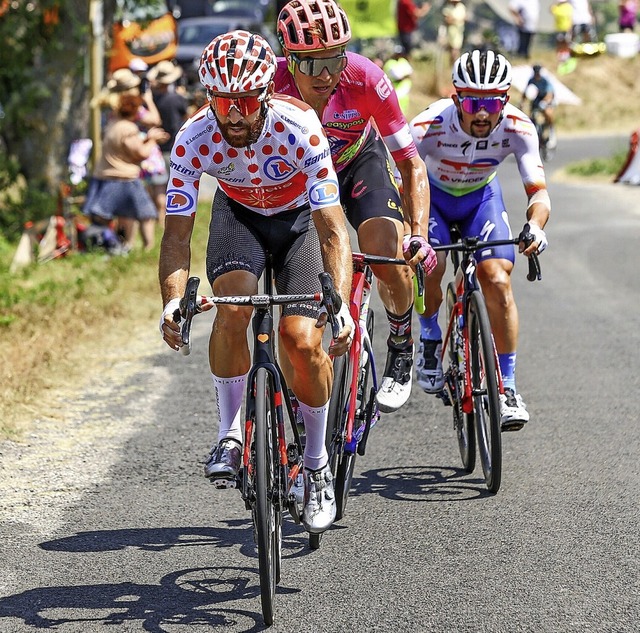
(479, 213)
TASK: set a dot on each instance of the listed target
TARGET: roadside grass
(55, 317)
(602, 167)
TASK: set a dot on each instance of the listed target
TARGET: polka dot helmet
(238, 61)
(312, 25)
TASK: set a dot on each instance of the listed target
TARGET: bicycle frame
(359, 309)
(466, 282)
(264, 356)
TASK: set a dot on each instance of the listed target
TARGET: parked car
(199, 8)
(195, 33)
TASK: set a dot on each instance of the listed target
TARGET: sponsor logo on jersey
(463, 179)
(482, 144)
(465, 146)
(350, 152)
(178, 201)
(314, 159)
(337, 144)
(392, 205)
(181, 169)
(442, 144)
(302, 128)
(206, 130)
(346, 115)
(346, 125)
(435, 123)
(277, 168)
(324, 193)
(478, 164)
(229, 169)
(383, 87)
(358, 189)
(509, 130)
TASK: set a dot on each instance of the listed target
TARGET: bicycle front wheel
(462, 422)
(486, 396)
(268, 513)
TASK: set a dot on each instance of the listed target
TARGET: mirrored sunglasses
(492, 105)
(314, 66)
(245, 105)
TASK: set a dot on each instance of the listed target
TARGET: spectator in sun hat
(172, 106)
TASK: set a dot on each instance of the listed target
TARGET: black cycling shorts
(367, 185)
(239, 239)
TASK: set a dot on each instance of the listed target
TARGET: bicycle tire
(268, 514)
(338, 416)
(486, 397)
(364, 399)
(463, 423)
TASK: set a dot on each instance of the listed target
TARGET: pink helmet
(238, 61)
(313, 25)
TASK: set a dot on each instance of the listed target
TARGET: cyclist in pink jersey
(361, 116)
(463, 140)
(277, 195)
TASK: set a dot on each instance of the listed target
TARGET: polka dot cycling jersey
(459, 163)
(287, 167)
(363, 93)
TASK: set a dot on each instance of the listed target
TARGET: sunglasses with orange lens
(245, 105)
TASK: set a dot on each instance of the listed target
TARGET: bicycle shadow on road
(420, 483)
(237, 532)
(187, 597)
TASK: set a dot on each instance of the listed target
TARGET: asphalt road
(108, 524)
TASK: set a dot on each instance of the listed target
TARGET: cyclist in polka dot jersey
(277, 194)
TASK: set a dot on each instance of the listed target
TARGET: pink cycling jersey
(363, 93)
(459, 163)
(288, 166)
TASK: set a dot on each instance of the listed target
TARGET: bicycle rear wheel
(268, 512)
(484, 384)
(462, 422)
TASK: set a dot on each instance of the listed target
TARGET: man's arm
(336, 247)
(173, 271)
(416, 195)
(336, 257)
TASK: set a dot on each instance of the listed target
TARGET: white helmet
(237, 62)
(485, 71)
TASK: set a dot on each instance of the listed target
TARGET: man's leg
(383, 236)
(229, 361)
(312, 376)
(495, 278)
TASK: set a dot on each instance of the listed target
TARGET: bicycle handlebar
(192, 304)
(471, 244)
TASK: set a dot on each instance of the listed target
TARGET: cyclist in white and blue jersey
(463, 140)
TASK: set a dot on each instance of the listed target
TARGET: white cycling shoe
(513, 411)
(396, 381)
(320, 500)
(429, 372)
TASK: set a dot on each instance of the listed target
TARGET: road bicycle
(353, 410)
(473, 382)
(272, 449)
(543, 129)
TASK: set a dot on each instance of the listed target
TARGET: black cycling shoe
(223, 463)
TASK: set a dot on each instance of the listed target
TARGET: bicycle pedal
(223, 483)
(445, 397)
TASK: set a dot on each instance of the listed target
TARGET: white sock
(315, 426)
(229, 394)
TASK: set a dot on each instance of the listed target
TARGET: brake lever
(332, 302)
(188, 309)
(534, 272)
(418, 280)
